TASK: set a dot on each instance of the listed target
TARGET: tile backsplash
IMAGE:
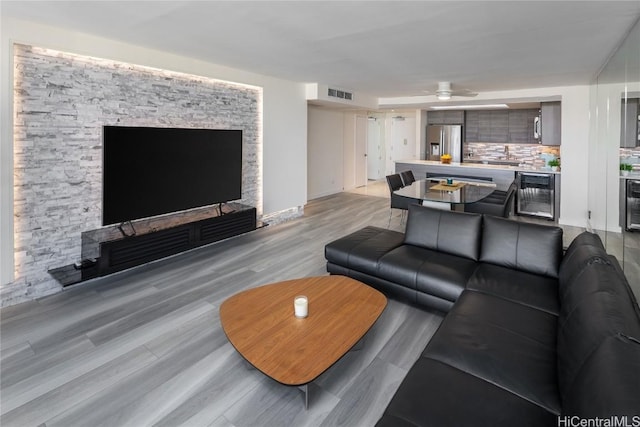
(526, 154)
(634, 153)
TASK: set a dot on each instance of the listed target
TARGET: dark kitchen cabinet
(477, 126)
(629, 132)
(487, 126)
(445, 117)
(435, 117)
(484, 126)
(508, 126)
(521, 126)
(499, 126)
(550, 123)
(471, 126)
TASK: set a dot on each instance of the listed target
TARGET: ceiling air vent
(336, 93)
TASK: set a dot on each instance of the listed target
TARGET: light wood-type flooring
(145, 347)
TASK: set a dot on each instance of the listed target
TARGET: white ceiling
(381, 48)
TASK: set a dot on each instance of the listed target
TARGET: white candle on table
(301, 306)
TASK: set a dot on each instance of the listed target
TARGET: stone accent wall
(283, 216)
(62, 101)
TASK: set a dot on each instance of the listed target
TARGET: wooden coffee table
(261, 325)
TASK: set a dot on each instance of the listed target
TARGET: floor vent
(336, 93)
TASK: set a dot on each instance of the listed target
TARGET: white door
(403, 141)
(375, 156)
(361, 151)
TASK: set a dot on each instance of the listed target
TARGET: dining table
(447, 193)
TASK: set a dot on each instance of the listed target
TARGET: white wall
(332, 150)
(574, 155)
(325, 144)
(284, 115)
(349, 152)
(421, 134)
(334, 129)
(284, 145)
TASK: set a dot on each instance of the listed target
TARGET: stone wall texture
(62, 101)
(526, 154)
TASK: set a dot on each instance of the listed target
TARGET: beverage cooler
(536, 195)
(633, 204)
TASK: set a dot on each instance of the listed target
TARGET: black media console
(126, 252)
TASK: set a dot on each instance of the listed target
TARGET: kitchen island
(501, 175)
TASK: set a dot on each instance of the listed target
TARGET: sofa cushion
(533, 290)
(445, 275)
(522, 246)
(436, 394)
(607, 383)
(427, 271)
(362, 249)
(455, 233)
(507, 344)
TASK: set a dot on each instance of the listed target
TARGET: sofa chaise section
(532, 334)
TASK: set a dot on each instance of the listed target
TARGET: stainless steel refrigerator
(444, 139)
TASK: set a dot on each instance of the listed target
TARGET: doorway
(375, 148)
(402, 141)
(361, 167)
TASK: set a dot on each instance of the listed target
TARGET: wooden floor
(145, 347)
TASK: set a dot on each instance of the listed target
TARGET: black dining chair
(397, 202)
(498, 203)
(407, 177)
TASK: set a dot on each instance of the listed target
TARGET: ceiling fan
(445, 92)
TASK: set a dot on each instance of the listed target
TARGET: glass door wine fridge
(633, 204)
(536, 195)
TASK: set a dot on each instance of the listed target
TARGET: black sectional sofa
(533, 335)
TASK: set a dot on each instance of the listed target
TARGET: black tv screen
(152, 171)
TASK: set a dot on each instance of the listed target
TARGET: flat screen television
(150, 171)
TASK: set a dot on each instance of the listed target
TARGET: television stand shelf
(117, 254)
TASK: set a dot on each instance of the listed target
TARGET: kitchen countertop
(634, 175)
(482, 166)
